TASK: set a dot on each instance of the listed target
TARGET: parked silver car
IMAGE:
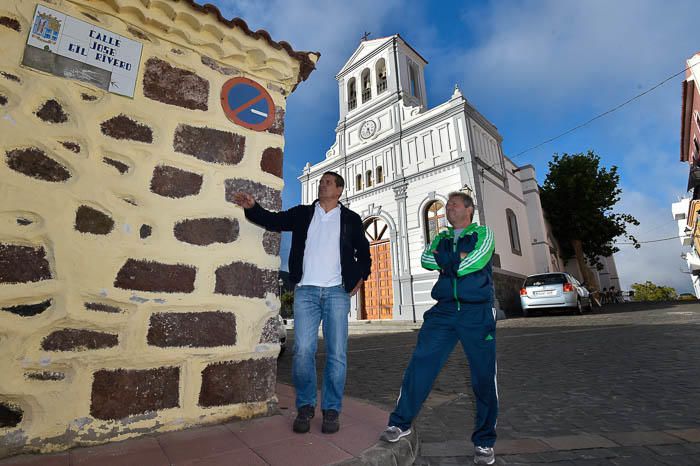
(553, 290)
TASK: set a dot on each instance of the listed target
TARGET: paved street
(620, 386)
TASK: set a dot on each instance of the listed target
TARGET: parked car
(282, 333)
(553, 290)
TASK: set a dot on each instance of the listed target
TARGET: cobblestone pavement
(619, 386)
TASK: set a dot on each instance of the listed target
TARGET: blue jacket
(468, 280)
(355, 260)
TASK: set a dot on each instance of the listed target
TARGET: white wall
(495, 201)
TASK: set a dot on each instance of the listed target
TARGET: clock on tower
(367, 129)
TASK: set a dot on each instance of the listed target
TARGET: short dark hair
(466, 198)
(339, 181)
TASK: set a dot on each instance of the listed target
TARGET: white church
(400, 159)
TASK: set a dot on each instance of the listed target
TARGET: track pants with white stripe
(474, 325)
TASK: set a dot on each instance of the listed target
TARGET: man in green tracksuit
(464, 312)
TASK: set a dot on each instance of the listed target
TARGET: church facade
(401, 159)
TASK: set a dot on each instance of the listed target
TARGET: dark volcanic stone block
(214, 65)
(71, 146)
(3, 100)
(234, 382)
(74, 339)
(119, 393)
(10, 415)
(173, 182)
(35, 163)
(145, 231)
(145, 275)
(269, 198)
(243, 279)
(120, 166)
(278, 125)
(210, 145)
(206, 231)
(10, 76)
(271, 243)
(11, 23)
(88, 97)
(23, 264)
(100, 307)
(269, 332)
(175, 86)
(45, 375)
(123, 127)
(29, 310)
(138, 33)
(89, 220)
(271, 161)
(195, 329)
(52, 112)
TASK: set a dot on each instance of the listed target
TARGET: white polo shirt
(322, 250)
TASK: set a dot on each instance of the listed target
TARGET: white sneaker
(394, 434)
(484, 455)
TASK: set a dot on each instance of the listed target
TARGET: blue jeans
(313, 305)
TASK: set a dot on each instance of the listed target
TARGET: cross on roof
(365, 36)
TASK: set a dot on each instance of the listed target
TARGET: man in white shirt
(329, 260)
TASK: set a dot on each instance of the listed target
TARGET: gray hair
(466, 198)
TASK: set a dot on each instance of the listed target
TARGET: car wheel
(579, 306)
(526, 313)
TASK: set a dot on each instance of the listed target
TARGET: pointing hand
(244, 200)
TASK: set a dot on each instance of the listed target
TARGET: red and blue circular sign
(248, 104)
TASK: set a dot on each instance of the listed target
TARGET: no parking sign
(248, 104)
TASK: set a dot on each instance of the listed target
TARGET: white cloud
(565, 51)
(658, 262)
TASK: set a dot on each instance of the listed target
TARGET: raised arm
(273, 221)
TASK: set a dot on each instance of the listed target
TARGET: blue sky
(534, 69)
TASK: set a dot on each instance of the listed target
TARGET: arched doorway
(377, 292)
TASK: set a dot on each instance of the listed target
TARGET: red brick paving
(266, 442)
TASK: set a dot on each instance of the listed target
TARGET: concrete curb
(402, 453)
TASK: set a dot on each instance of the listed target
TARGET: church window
(352, 94)
(358, 182)
(380, 174)
(368, 178)
(434, 219)
(381, 75)
(366, 86)
(513, 232)
(413, 73)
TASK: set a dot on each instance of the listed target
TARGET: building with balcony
(685, 211)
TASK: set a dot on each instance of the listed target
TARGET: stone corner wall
(134, 296)
(507, 287)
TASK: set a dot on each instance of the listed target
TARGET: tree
(287, 304)
(578, 196)
(648, 291)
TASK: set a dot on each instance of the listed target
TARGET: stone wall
(507, 286)
(133, 293)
